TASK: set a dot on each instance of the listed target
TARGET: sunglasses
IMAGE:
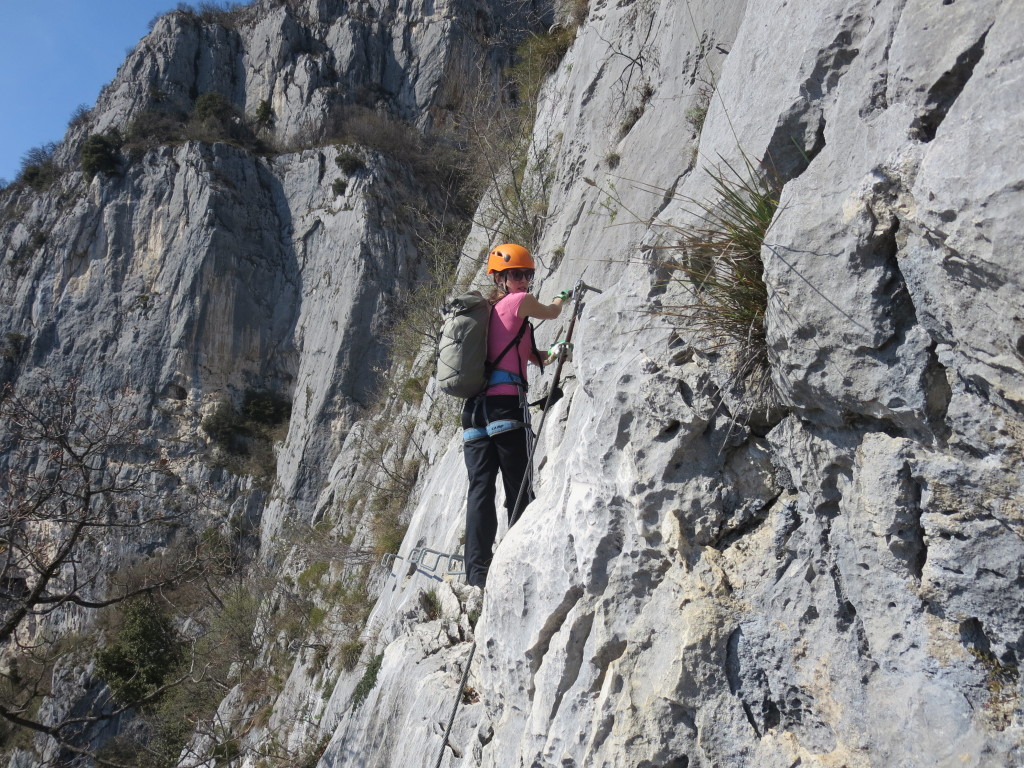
(520, 274)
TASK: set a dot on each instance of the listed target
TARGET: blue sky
(55, 55)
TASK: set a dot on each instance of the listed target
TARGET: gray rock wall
(834, 580)
(839, 585)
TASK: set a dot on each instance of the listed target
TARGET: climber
(496, 422)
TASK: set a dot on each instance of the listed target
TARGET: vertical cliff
(798, 544)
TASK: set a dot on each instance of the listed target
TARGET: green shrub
(215, 106)
(153, 127)
(14, 348)
(349, 162)
(368, 681)
(250, 431)
(227, 751)
(143, 655)
(266, 407)
(215, 118)
(226, 14)
(338, 187)
(100, 154)
(264, 116)
(350, 124)
(227, 428)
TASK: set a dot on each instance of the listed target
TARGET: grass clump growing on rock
(349, 653)
(430, 602)
(718, 262)
(368, 681)
(536, 58)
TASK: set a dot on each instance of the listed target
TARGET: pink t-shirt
(505, 324)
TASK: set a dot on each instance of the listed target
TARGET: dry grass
(717, 262)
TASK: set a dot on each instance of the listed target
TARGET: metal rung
(437, 559)
(418, 557)
(389, 559)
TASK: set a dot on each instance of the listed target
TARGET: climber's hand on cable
(565, 296)
(561, 350)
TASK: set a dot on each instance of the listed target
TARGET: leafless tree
(76, 478)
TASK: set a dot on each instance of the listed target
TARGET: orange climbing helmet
(508, 256)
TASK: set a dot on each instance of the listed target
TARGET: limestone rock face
(839, 585)
(833, 576)
(304, 59)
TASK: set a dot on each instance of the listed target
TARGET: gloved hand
(565, 295)
(561, 349)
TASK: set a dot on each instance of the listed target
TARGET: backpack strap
(514, 343)
(536, 352)
(491, 366)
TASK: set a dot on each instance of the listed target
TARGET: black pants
(508, 452)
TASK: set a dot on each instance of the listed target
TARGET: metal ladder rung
(418, 557)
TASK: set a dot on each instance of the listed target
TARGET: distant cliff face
(804, 546)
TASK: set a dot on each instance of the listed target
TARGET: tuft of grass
(537, 57)
(387, 524)
(368, 681)
(431, 604)
(349, 653)
(1001, 683)
(576, 11)
(311, 577)
(718, 261)
(697, 114)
